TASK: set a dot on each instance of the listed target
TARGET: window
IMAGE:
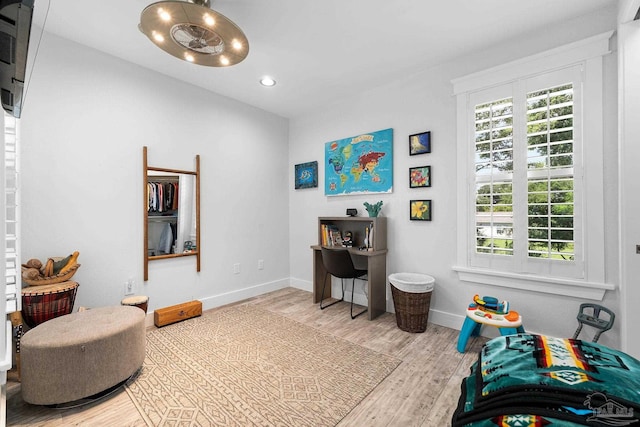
(523, 133)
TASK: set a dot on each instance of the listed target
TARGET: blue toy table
(476, 318)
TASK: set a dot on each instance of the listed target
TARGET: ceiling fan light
(208, 19)
(185, 29)
(163, 14)
(158, 37)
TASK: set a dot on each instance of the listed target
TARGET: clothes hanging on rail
(162, 196)
(166, 239)
(174, 206)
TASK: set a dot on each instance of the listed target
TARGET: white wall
(87, 116)
(422, 100)
(629, 95)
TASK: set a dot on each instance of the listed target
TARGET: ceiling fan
(190, 30)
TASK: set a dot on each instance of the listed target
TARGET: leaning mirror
(171, 213)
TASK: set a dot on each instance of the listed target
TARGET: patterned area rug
(244, 366)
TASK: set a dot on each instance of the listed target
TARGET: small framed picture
(420, 210)
(420, 143)
(306, 175)
(420, 176)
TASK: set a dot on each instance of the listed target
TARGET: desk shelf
(374, 260)
(357, 226)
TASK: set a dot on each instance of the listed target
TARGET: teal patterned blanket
(534, 380)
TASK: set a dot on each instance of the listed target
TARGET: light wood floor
(421, 392)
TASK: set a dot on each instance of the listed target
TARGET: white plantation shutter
(524, 187)
(11, 265)
(550, 186)
(494, 177)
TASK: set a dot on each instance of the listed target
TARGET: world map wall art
(361, 164)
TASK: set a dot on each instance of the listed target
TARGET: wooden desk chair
(338, 263)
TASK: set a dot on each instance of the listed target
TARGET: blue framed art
(306, 175)
(361, 164)
(420, 143)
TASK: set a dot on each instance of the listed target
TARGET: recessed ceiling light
(267, 81)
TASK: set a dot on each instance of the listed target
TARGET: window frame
(587, 56)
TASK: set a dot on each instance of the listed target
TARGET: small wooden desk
(376, 274)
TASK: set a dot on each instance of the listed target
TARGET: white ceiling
(317, 51)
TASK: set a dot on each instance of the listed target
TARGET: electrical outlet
(128, 286)
(260, 264)
(236, 268)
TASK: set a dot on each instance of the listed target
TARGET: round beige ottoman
(81, 354)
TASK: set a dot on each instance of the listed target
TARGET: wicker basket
(58, 278)
(412, 309)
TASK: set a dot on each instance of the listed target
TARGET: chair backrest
(339, 264)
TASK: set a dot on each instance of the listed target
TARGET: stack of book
(331, 235)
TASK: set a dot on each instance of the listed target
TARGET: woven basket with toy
(55, 270)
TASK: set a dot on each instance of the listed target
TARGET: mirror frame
(145, 177)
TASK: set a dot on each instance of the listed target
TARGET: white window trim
(588, 53)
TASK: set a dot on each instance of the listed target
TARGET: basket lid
(412, 282)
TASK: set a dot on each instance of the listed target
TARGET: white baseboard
(242, 294)
(235, 296)
(304, 285)
(449, 320)
(455, 321)
(442, 318)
